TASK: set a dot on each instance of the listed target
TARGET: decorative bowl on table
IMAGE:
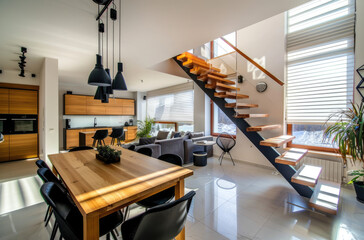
(108, 155)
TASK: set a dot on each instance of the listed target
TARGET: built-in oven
(21, 124)
(5, 127)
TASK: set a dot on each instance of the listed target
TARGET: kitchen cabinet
(87, 105)
(23, 101)
(5, 149)
(4, 101)
(74, 104)
(130, 133)
(23, 146)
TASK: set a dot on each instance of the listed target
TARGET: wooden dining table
(99, 189)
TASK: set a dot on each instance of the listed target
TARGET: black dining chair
(226, 142)
(117, 134)
(146, 151)
(69, 220)
(41, 164)
(163, 222)
(166, 195)
(47, 176)
(81, 148)
(99, 138)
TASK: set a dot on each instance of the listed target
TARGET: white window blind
(171, 107)
(320, 60)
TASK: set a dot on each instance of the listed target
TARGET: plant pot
(107, 160)
(359, 189)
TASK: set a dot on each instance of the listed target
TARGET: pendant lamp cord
(119, 29)
(113, 43)
(98, 32)
(107, 38)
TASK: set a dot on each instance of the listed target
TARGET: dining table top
(97, 187)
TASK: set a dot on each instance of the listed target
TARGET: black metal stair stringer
(270, 153)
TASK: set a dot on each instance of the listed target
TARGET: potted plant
(145, 127)
(347, 132)
(107, 154)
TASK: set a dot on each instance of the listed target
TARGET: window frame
(212, 123)
(308, 147)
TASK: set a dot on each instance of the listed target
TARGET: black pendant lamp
(98, 76)
(108, 88)
(119, 81)
(100, 92)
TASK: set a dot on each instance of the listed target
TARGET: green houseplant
(347, 132)
(145, 127)
(107, 154)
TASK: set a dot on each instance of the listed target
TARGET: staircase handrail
(253, 62)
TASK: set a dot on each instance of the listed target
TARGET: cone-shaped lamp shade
(109, 88)
(119, 82)
(99, 93)
(105, 98)
(98, 76)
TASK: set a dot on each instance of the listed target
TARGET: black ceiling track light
(22, 62)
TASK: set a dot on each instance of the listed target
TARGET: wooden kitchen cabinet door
(5, 149)
(128, 107)
(74, 104)
(23, 146)
(4, 101)
(23, 101)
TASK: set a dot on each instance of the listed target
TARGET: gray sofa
(155, 147)
(181, 146)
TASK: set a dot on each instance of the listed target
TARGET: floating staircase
(216, 85)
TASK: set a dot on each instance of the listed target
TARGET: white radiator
(331, 170)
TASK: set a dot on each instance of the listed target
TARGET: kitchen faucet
(95, 123)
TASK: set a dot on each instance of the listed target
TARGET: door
(74, 104)
(23, 146)
(4, 101)
(4, 149)
(23, 102)
(128, 107)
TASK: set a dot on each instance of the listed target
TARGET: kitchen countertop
(96, 127)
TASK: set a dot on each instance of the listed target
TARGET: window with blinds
(171, 107)
(320, 63)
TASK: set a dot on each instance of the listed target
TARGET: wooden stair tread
(307, 175)
(200, 70)
(230, 95)
(224, 87)
(186, 55)
(277, 141)
(292, 157)
(251, 115)
(326, 197)
(190, 63)
(240, 105)
(212, 77)
(263, 127)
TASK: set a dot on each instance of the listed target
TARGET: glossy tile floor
(241, 202)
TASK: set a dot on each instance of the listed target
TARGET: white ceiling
(152, 31)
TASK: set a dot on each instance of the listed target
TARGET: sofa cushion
(197, 134)
(186, 135)
(146, 140)
(162, 135)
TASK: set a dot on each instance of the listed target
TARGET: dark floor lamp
(1, 137)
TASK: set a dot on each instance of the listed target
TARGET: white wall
(48, 109)
(11, 76)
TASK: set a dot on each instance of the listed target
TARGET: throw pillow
(162, 135)
(186, 136)
(197, 134)
(176, 135)
(146, 140)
